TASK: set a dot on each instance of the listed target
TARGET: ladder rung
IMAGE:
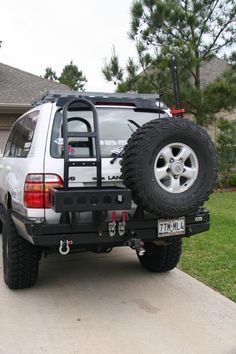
(82, 163)
(69, 136)
(82, 135)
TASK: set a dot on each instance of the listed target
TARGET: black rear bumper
(89, 199)
(92, 234)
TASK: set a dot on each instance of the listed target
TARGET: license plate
(171, 227)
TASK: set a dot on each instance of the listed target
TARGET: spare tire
(170, 165)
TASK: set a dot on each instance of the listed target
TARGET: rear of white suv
(62, 187)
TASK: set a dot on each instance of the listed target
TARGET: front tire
(161, 258)
(20, 258)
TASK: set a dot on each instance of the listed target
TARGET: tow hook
(137, 244)
(112, 225)
(65, 246)
(121, 224)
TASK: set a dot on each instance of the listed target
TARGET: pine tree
(50, 74)
(192, 31)
(73, 77)
(70, 76)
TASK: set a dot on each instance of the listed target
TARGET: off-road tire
(161, 258)
(20, 258)
(139, 160)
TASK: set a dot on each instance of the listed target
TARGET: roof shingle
(18, 86)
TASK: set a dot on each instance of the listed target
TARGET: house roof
(20, 88)
(212, 70)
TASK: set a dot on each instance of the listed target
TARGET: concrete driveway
(108, 304)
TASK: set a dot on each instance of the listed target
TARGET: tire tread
(21, 260)
(134, 159)
(162, 258)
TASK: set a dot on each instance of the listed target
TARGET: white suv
(88, 172)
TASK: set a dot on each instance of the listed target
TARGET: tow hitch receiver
(137, 244)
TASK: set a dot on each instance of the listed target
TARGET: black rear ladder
(97, 199)
(96, 162)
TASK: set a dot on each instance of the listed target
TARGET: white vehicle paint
(14, 169)
(61, 186)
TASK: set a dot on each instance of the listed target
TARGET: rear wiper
(117, 154)
(134, 123)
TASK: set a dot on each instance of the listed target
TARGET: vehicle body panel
(13, 171)
(45, 227)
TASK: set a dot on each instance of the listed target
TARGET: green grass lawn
(211, 256)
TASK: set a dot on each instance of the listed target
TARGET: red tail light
(36, 191)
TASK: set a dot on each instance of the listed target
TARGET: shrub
(226, 149)
(231, 180)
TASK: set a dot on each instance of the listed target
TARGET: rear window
(116, 125)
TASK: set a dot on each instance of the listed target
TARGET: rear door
(14, 163)
(116, 124)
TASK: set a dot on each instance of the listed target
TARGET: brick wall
(7, 120)
(213, 130)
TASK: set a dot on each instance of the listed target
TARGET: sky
(38, 34)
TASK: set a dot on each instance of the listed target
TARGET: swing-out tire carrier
(95, 231)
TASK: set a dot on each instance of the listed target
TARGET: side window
(9, 143)
(17, 148)
(21, 136)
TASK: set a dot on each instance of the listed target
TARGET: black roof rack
(139, 101)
